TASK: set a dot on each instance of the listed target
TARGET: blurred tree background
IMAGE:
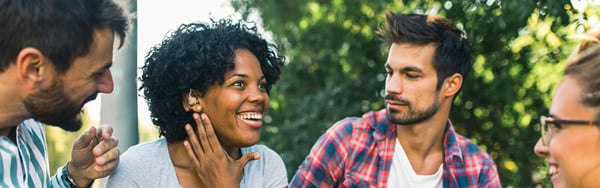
(335, 69)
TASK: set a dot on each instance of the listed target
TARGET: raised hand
(95, 155)
(214, 167)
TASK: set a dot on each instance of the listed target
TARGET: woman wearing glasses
(571, 133)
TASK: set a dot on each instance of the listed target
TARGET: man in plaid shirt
(410, 143)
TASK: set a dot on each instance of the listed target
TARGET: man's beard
(52, 106)
(412, 116)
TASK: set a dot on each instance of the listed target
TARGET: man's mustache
(397, 99)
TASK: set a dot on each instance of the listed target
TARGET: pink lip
(555, 176)
(252, 123)
(395, 104)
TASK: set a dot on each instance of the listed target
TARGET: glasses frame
(545, 122)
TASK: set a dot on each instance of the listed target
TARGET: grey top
(149, 165)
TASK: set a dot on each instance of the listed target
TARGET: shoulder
(262, 149)
(137, 156)
(140, 163)
(479, 163)
(350, 125)
(32, 127)
(471, 151)
(268, 171)
(268, 157)
(143, 149)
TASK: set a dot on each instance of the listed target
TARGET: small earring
(197, 108)
(192, 100)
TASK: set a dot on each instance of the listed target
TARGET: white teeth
(251, 116)
(552, 170)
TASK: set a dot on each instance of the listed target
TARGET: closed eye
(413, 75)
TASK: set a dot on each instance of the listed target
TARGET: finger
(85, 140)
(107, 168)
(191, 154)
(210, 134)
(108, 156)
(104, 146)
(105, 132)
(193, 139)
(201, 132)
(247, 158)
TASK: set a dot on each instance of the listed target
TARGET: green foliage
(336, 61)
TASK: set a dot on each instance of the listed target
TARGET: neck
(12, 110)
(424, 138)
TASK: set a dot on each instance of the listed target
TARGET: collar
(451, 144)
(383, 129)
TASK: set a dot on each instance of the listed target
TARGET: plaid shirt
(357, 152)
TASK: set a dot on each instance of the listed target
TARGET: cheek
(576, 149)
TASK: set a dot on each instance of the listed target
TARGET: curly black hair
(196, 56)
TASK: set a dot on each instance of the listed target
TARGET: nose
(393, 84)
(257, 95)
(540, 149)
(105, 82)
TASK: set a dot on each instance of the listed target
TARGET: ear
(452, 84)
(32, 66)
(191, 102)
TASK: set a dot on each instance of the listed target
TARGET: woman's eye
(239, 84)
(262, 86)
(557, 125)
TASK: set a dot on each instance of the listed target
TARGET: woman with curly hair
(223, 72)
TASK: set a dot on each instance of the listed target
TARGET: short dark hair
(453, 51)
(196, 56)
(585, 68)
(61, 29)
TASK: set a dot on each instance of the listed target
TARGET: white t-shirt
(149, 165)
(403, 175)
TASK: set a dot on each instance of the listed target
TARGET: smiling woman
(224, 71)
(571, 136)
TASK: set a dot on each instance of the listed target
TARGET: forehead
(100, 53)
(405, 55)
(245, 63)
(566, 102)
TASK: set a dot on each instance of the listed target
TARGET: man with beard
(55, 56)
(410, 143)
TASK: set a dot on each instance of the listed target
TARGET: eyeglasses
(547, 131)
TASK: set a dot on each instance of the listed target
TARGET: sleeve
(60, 179)
(275, 169)
(324, 165)
(489, 176)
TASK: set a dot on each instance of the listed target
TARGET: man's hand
(95, 155)
(214, 167)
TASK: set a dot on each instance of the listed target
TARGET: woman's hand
(214, 167)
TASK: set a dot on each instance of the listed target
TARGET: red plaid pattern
(357, 152)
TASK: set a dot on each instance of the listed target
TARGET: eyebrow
(405, 69)
(106, 66)
(412, 69)
(243, 76)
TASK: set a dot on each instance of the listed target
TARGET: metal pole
(119, 109)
